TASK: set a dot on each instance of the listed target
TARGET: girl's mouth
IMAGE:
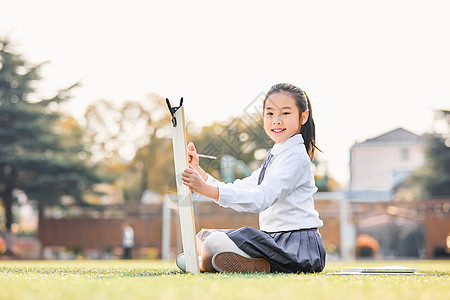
(278, 130)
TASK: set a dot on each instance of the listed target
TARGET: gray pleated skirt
(287, 251)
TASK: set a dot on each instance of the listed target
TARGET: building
(378, 165)
(402, 227)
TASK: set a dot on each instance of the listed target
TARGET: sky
(368, 67)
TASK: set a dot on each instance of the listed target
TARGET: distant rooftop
(396, 135)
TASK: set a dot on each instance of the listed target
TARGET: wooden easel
(185, 206)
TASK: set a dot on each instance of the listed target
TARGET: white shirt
(284, 198)
(128, 237)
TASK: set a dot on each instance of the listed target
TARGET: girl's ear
(305, 116)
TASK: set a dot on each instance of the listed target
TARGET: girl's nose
(276, 120)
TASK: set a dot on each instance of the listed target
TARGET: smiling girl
(280, 191)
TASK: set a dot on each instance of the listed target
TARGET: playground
(154, 279)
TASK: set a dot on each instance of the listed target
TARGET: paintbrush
(207, 156)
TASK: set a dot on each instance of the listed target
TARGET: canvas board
(184, 196)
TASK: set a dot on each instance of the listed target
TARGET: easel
(185, 207)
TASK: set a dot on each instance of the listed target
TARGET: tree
(132, 139)
(433, 180)
(438, 162)
(37, 155)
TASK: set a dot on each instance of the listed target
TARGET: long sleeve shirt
(284, 198)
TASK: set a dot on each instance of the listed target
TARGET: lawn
(139, 279)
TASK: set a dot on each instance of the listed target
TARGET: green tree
(433, 180)
(132, 141)
(438, 162)
(38, 154)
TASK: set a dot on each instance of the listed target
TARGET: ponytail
(307, 130)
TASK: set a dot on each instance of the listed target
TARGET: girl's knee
(220, 242)
(215, 241)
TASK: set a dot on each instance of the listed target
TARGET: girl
(280, 191)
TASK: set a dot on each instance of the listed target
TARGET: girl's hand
(192, 179)
(192, 155)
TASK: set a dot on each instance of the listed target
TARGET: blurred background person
(127, 240)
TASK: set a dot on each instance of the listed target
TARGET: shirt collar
(292, 141)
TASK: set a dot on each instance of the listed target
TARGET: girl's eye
(269, 113)
(286, 113)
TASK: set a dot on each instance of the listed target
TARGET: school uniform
(281, 192)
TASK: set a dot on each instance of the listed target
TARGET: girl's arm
(290, 173)
(245, 183)
(249, 182)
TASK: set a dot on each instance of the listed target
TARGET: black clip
(173, 110)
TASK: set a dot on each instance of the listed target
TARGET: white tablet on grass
(386, 270)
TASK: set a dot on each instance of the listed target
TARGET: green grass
(161, 280)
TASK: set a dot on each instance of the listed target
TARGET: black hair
(307, 130)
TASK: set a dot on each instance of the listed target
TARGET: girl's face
(281, 117)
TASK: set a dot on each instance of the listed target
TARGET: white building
(380, 164)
